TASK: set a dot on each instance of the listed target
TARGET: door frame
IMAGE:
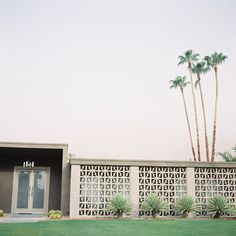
(14, 209)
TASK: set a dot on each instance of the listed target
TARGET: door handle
(32, 191)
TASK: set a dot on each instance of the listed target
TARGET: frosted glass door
(31, 190)
(23, 189)
(39, 189)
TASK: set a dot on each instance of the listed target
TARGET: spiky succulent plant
(185, 205)
(119, 204)
(154, 204)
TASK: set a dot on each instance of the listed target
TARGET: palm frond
(188, 56)
(179, 82)
(200, 68)
(189, 53)
(195, 57)
(182, 60)
(206, 69)
(215, 59)
(186, 83)
(208, 60)
(226, 156)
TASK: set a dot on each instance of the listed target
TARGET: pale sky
(95, 74)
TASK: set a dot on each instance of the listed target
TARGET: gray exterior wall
(6, 180)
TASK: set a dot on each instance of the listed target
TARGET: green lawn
(121, 227)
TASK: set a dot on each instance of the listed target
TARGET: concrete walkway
(8, 218)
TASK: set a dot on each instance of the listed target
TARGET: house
(35, 178)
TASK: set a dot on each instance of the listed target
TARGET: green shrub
(55, 214)
(1, 213)
(218, 205)
(154, 204)
(119, 204)
(185, 205)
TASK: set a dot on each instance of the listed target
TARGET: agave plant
(154, 204)
(218, 205)
(185, 205)
(119, 204)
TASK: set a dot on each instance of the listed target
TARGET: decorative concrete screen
(168, 182)
(98, 184)
(212, 181)
(94, 182)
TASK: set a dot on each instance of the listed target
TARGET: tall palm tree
(213, 61)
(199, 69)
(189, 57)
(180, 82)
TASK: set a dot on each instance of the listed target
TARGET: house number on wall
(29, 164)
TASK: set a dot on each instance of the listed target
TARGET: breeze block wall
(94, 182)
(210, 181)
(98, 183)
(168, 182)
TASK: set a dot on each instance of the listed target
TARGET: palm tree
(198, 69)
(180, 82)
(213, 61)
(227, 156)
(189, 57)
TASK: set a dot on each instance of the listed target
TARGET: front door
(30, 190)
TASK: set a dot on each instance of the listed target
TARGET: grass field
(121, 228)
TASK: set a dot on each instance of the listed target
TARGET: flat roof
(33, 145)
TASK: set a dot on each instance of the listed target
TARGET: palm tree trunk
(195, 112)
(189, 129)
(204, 119)
(215, 114)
